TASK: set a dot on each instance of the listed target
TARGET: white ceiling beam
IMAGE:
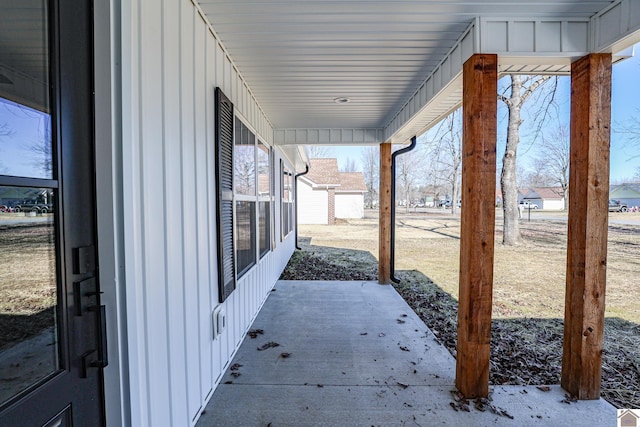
(328, 136)
(617, 27)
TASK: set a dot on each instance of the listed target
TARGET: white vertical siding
(171, 64)
(173, 199)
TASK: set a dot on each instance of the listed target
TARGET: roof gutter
(392, 260)
(306, 171)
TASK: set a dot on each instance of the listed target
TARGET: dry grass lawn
(529, 280)
(27, 281)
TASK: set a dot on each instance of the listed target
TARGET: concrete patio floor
(359, 356)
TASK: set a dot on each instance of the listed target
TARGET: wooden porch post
(477, 223)
(384, 246)
(588, 222)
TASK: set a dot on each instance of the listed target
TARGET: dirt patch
(529, 286)
(321, 263)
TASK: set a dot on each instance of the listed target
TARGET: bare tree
(630, 128)
(554, 155)
(407, 173)
(5, 130)
(349, 165)
(43, 155)
(320, 151)
(536, 176)
(446, 151)
(42, 148)
(244, 167)
(515, 95)
(371, 170)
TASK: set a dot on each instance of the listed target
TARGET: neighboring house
(627, 193)
(350, 195)
(550, 198)
(325, 194)
(10, 196)
(521, 194)
(499, 199)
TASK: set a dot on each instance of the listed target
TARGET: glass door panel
(28, 290)
(29, 279)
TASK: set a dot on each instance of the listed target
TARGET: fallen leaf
(268, 345)
(544, 388)
(569, 399)
(403, 348)
(403, 385)
(285, 355)
(255, 332)
(235, 366)
(235, 374)
(480, 404)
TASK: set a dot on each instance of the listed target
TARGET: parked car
(528, 205)
(5, 208)
(33, 206)
(617, 206)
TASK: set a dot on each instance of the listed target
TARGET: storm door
(52, 347)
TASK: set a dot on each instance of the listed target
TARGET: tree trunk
(455, 191)
(406, 202)
(509, 186)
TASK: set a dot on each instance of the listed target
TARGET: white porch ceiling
(297, 56)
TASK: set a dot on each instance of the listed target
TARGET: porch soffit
(398, 63)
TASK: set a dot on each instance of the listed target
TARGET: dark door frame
(75, 394)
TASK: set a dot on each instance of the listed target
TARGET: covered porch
(297, 73)
(354, 353)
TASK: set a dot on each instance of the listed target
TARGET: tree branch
(532, 88)
(504, 99)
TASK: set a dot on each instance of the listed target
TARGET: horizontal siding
(313, 205)
(349, 205)
(172, 63)
(556, 205)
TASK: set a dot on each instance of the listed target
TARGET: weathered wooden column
(477, 223)
(384, 244)
(588, 222)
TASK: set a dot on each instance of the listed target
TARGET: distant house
(521, 194)
(325, 194)
(549, 198)
(350, 195)
(626, 193)
(499, 199)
